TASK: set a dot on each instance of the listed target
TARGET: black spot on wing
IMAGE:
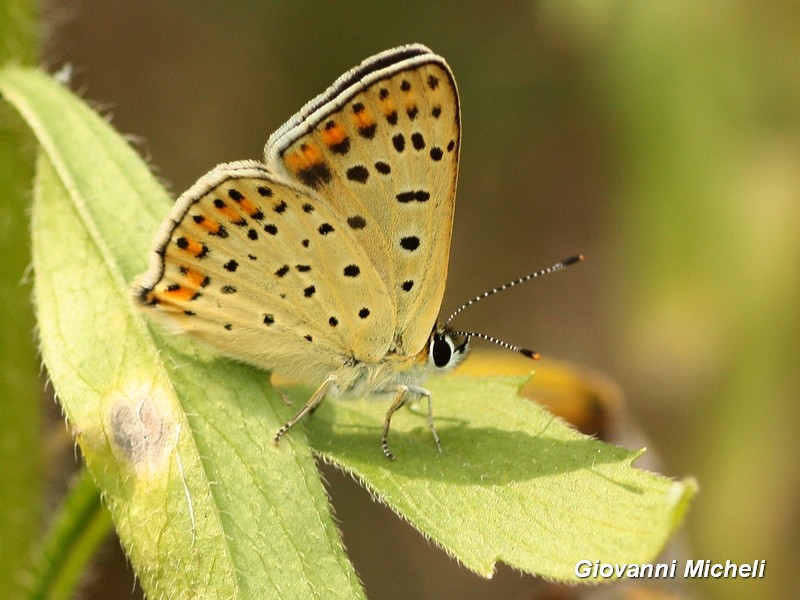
(413, 196)
(358, 173)
(399, 142)
(351, 271)
(342, 147)
(368, 131)
(357, 222)
(316, 175)
(409, 243)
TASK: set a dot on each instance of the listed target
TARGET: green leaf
(179, 444)
(513, 483)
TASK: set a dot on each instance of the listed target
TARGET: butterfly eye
(441, 350)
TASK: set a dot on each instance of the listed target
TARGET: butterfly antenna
(559, 266)
(494, 340)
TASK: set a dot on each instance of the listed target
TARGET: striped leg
(401, 398)
(312, 403)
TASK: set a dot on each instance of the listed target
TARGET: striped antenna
(494, 340)
(559, 266)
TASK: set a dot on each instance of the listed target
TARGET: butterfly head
(446, 349)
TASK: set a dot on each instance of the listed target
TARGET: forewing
(381, 147)
(264, 271)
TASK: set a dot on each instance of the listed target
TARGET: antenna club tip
(574, 259)
(529, 353)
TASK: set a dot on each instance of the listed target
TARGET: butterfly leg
(401, 397)
(312, 403)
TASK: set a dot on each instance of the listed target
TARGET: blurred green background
(662, 140)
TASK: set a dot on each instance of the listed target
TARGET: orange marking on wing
(334, 135)
(388, 106)
(304, 157)
(194, 247)
(210, 225)
(165, 303)
(248, 206)
(312, 153)
(195, 277)
(231, 214)
(178, 293)
(363, 120)
(295, 160)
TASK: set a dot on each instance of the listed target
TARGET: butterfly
(327, 262)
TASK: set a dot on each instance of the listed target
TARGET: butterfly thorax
(363, 379)
(366, 379)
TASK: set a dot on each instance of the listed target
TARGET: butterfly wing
(381, 146)
(263, 270)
